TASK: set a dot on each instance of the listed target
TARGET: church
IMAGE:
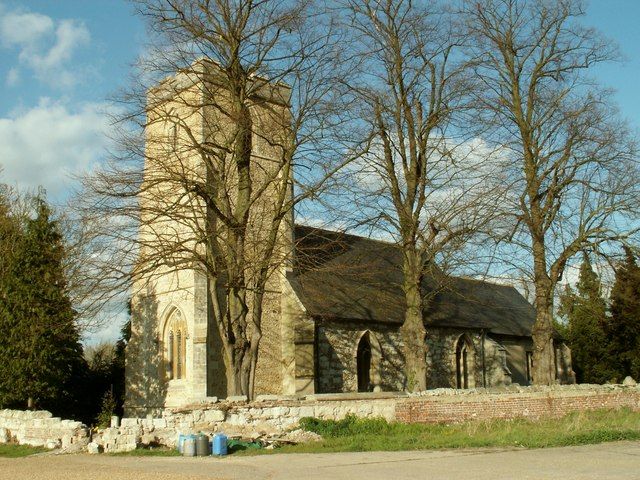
(332, 313)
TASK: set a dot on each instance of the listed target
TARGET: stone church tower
(175, 353)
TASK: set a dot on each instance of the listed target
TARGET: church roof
(347, 277)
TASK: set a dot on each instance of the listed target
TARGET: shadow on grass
(11, 450)
(149, 452)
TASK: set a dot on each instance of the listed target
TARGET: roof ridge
(340, 232)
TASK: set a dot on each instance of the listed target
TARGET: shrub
(108, 408)
(348, 426)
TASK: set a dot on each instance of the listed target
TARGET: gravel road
(620, 460)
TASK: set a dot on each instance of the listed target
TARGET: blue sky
(61, 59)
(59, 62)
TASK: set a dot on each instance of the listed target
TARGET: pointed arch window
(175, 346)
(465, 361)
(363, 364)
(178, 358)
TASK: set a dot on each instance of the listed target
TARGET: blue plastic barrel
(219, 444)
(189, 446)
(181, 438)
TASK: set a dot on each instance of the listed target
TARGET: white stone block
(237, 398)
(305, 412)
(51, 444)
(67, 440)
(126, 439)
(197, 416)
(127, 447)
(267, 398)
(93, 448)
(129, 422)
(214, 416)
(148, 439)
(160, 423)
(278, 412)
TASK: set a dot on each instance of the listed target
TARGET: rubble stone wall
(41, 429)
(271, 415)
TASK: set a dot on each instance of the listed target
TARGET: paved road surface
(619, 460)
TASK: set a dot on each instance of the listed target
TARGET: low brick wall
(41, 429)
(531, 402)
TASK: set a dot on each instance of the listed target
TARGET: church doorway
(464, 352)
(364, 364)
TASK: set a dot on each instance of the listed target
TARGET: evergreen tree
(118, 366)
(586, 312)
(624, 327)
(9, 237)
(40, 351)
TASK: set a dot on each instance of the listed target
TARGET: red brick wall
(458, 408)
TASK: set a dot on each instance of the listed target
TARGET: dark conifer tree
(118, 366)
(40, 349)
(586, 312)
(624, 327)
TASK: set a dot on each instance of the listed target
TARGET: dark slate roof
(342, 276)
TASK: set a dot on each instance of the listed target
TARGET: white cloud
(107, 332)
(45, 46)
(18, 28)
(45, 144)
(13, 77)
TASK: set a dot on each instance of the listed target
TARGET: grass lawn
(353, 434)
(11, 450)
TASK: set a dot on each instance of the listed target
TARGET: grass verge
(149, 452)
(353, 434)
(11, 450)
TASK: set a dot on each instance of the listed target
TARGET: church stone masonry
(334, 303)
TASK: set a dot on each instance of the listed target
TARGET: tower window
(175, 346)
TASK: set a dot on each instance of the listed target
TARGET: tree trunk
(241, 346)
(412, 331)
(242, 375)
(236, 343)
(543, 354)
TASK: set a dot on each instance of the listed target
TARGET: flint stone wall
(41, 429)
(338, 346)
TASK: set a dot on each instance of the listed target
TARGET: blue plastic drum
(219, 444)
(181, 438)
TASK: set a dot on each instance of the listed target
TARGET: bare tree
(574, 175)
(206, 180)
(420, 175)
